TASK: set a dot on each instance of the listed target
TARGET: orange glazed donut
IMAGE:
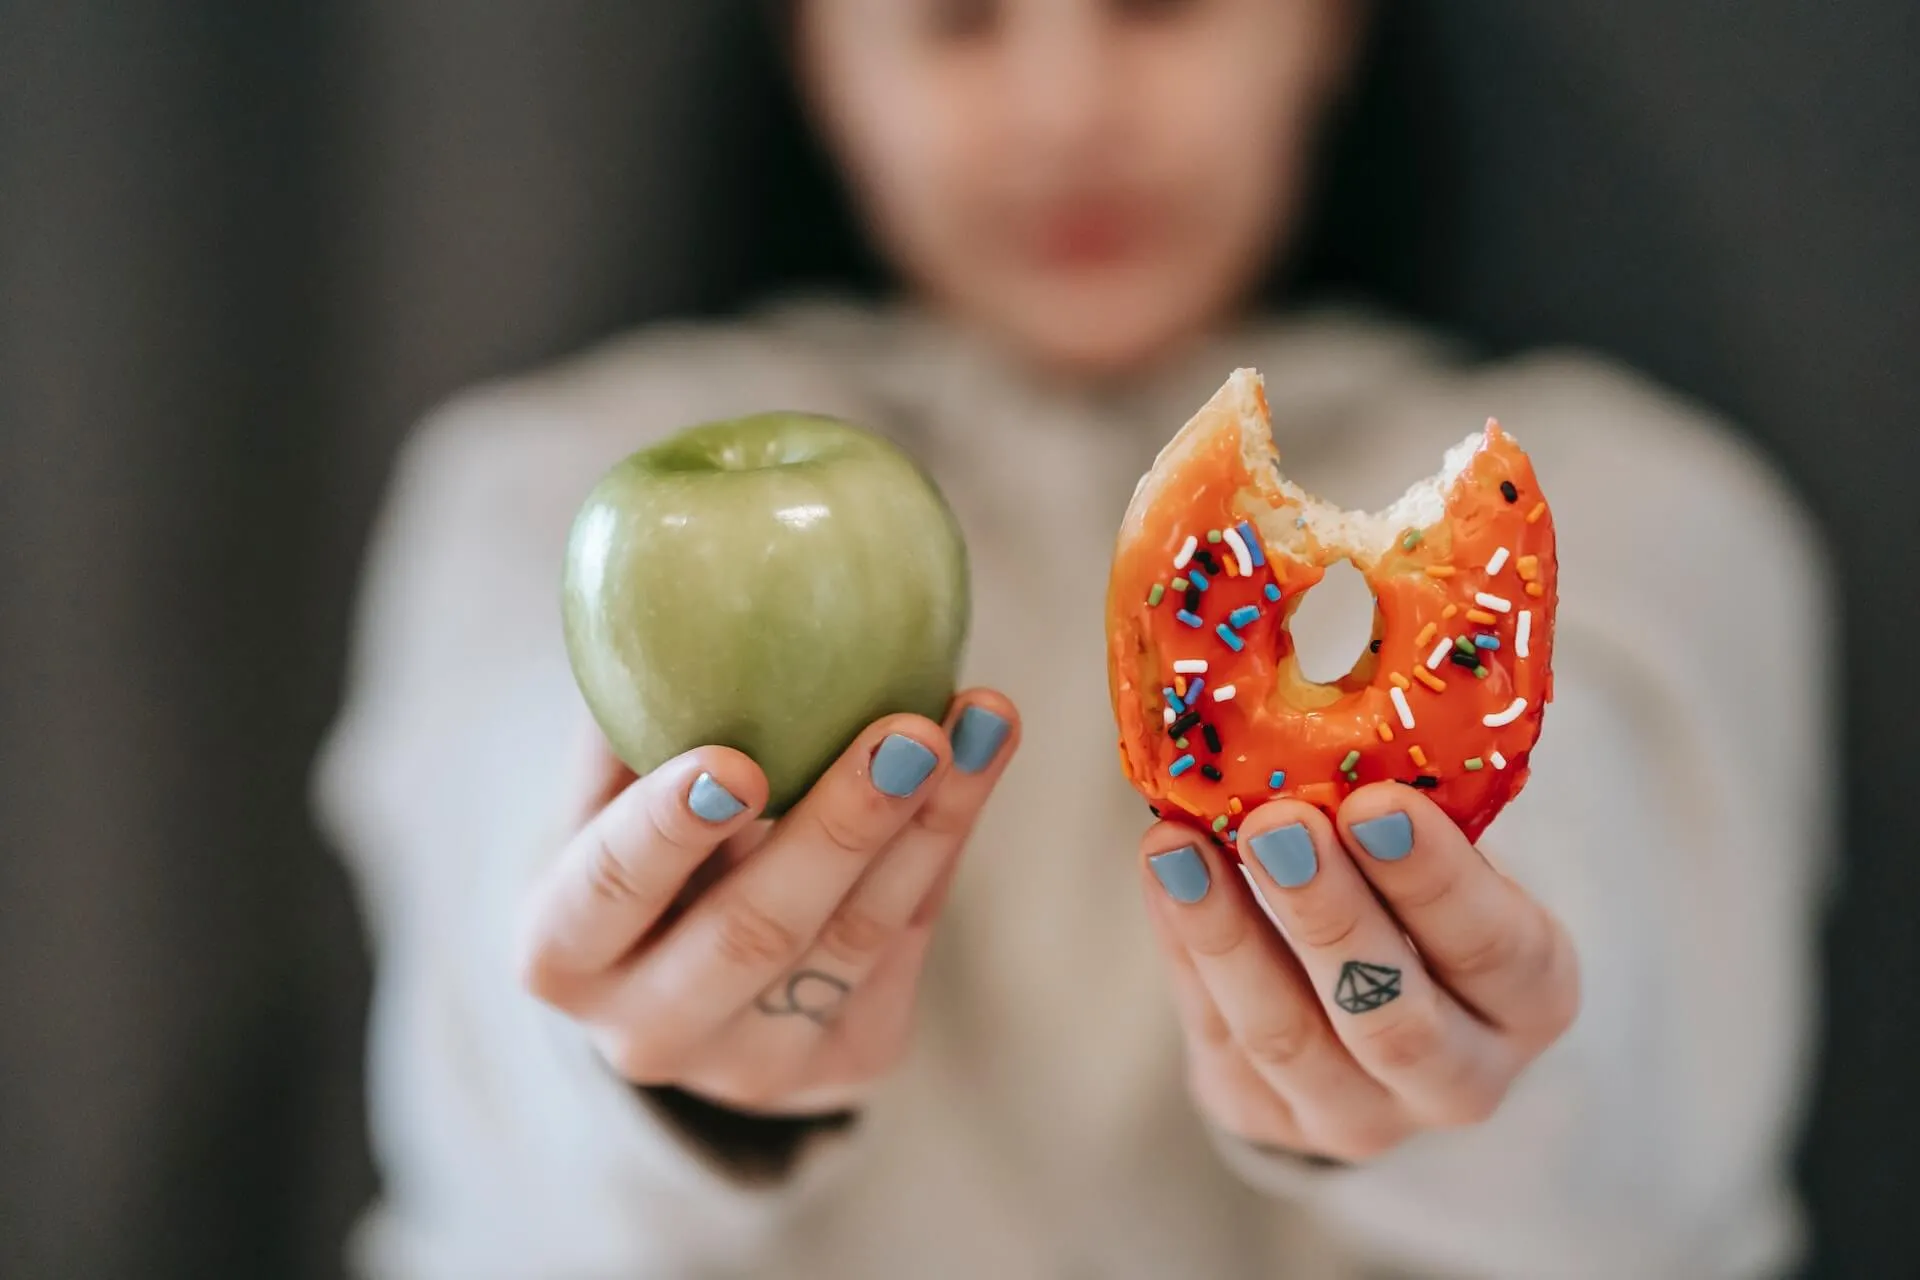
(1216, 552)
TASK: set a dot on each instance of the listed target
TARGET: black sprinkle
(1154, 809)
(1182, 723)
(1212, 735)
(1193, 600)
(1426, 782)
(1210, 772)
(1374, 647)
(1206, 558)
(1467, 660)
(1508, 492)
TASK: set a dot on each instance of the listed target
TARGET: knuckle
(1427, 897)
(846, 829)
(1357, 1144)
(1277, 1046)
(1410, 1041)
(608, 874)
(1329, 926)
(1216, 937)
(945, 816)
(1497, 952)
(854, 935)
(1211, 1029)
(749, 937)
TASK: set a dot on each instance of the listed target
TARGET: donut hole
(1332, 624)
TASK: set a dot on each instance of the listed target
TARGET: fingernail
(1287, 854)
(1182, 873)
(712, 802)
(901, 765)
(1388, 837)
(977, 738)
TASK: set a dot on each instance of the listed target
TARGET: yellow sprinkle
(1450, 610)
(1426, 634)
(1439, 571)
(1399, 681)
(1429, 679)
(1535, 589)
(1233, 804)
(1539, 509)
(1380, 727)
(1180, 686)
(1231, 565)
(1527, 566)
(1418, 756)
(1482, 617)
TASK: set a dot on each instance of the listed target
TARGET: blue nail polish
(901, 765)
(1287, 854)
(1182, 873)
(977, 738)
(712, 802)
(1388, 837)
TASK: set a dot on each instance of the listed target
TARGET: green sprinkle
(1154, 596)
(1463, 644)
(1353, 758)
(1220, 823)
(1352, 776)
(1411, 541)
(1213, 535)
(1179, 584)
(1475, 765)
(1479, 673)
(1180, 743)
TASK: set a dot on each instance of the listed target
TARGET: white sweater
(1678, 821)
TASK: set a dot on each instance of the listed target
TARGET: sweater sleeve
(506, 1146)
(1679, 823)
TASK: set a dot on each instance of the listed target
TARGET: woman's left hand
(1413, 984)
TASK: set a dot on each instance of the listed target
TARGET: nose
(1064, 91)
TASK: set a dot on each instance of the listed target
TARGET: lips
(1093, 234)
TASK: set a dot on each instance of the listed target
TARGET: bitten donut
(1217, 550)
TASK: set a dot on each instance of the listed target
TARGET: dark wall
(242, 245)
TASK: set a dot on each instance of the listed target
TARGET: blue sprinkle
(1194, 685)
(1197, 578)
(1486, 642)
(1277, 779)
(1191, 619)
(1242, 616)
(1253, 544)
(1273, 593)
(1173, 700)
(1181, 765)
(1233, 835)
(1299, 522)
(1234, 642)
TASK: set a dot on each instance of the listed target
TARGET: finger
(982, 729)
(1397, 1022)
(621, 872)
(1264, 998)
(749, 930)
(1480, 934)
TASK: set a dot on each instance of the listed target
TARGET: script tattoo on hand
(1364, 987)
(807, 993)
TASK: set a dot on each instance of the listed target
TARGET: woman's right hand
(769, 968)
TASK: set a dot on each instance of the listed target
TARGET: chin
(1103, 342)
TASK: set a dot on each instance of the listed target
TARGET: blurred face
(1091, 181)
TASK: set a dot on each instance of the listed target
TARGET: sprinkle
(1212, 737)
(1207, 562)
(1523, 634)
(1419, 757)
(1499, 761)
(1183, 723)
(1351, 776)
(1463, 644)
(1224, 693)
(1492, 602)
(1190, 666)
(1180, 584)
(1234, 805)
(1467, 659)
(1193, 689)
(1474, 764)
(1411, 541)
(1426, 782)
(1400, 706)
(1499, 718)
(1186, 552)
(1211, 772)
(1373, 645)
(1353, 758)
(1180, 685)
(1299, 522)
(1527, 566)
(1539, 509)
(1174, 701)
(1242, 554)
(1535, 589)
(1180, 743)
(1399, 681)
(1213, 535)
(1234, 642)
(1450, 610)
(1191, 600)
(1277, 779)
(1220, 823)
(1252, 541)
(1190, 618)
(1430, 680)
(1479, 673)
(1197, 578)
(1499, 560)
(1426, 634)
(1243, 615)
(1272, 592)
(1508, 492)
(1166, 715)
(1233, 835)
(1180, 766)
(1154, 595)
(1440, 571)
(1486, 642)
(1439, 653)
(1380, 727)
(1482, 617)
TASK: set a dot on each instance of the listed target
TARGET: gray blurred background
(243, 245)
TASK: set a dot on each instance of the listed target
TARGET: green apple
(772, 583)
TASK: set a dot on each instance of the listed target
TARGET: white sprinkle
(1508, 716)
(1191, 666)
(1399, 697)
(1499, 761)
(1523, 633)
(1498, 562)
(1240, 552)
(1494, 603)
(1187, 549)
(1224, 693)
(1441, 649)
(1166, 715)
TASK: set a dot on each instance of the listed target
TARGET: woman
(623, 1029)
